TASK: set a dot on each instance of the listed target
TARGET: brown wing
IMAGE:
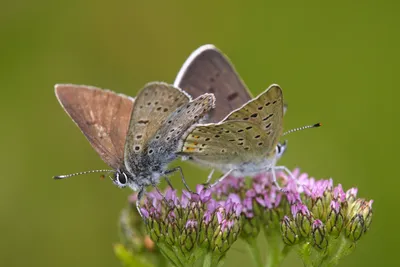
(101, 115)
(208, 70)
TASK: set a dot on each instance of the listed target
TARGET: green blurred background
(337, 62)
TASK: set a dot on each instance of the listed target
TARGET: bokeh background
(337, 62)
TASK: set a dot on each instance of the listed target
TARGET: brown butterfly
(140, 144)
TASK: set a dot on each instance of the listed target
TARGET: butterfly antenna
(58, 177)
(302, 128)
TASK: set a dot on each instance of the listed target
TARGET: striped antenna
(302, 128)
(59, 177)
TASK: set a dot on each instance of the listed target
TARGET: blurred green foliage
(337, 62)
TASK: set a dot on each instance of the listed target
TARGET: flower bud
(355, 228)
(351, 195)
(189, 236)
(361, 212)
(319, 235)
(366, 212)
(302, 218)
(335, 220)
(289, 231)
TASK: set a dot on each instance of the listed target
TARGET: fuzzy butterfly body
(161, 115)
(245, 142)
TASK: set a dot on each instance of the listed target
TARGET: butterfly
(245, 142)
(207, 69)
(139, 147)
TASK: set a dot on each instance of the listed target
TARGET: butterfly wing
(169, 135)
(101, 115)
(246, 134)
(153, 105)
(266, 110)
(208, 70)
(268, 102)
(230, 142)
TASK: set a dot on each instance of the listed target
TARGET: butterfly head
(123, 178)
(135, 179)
(280, 149)
(120, 178)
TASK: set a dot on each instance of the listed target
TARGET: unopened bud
(355, 228)
(319, 235)
(302, 218)
(289, 231)
(335, 220)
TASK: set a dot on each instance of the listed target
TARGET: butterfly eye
(120, 179)
(281, 148)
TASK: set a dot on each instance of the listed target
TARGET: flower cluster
(263, 203)
(321, 221)
(319, 207)
(325, 220)
(192, 226)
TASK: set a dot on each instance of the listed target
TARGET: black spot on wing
(232, 96)
(143, 122)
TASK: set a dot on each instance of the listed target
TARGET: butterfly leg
(275, 181)
(163, 197)
(209, 177)
(222, 178)
(168, 182)
(139, 197)
(182, 176)
(159, 192)
(285, 169)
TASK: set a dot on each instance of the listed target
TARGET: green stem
(162, 261)
(305, 253)
(207, 260)
(171, 255)
(276, 250)
(255, 252)
(273, 257)
(344, 249)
